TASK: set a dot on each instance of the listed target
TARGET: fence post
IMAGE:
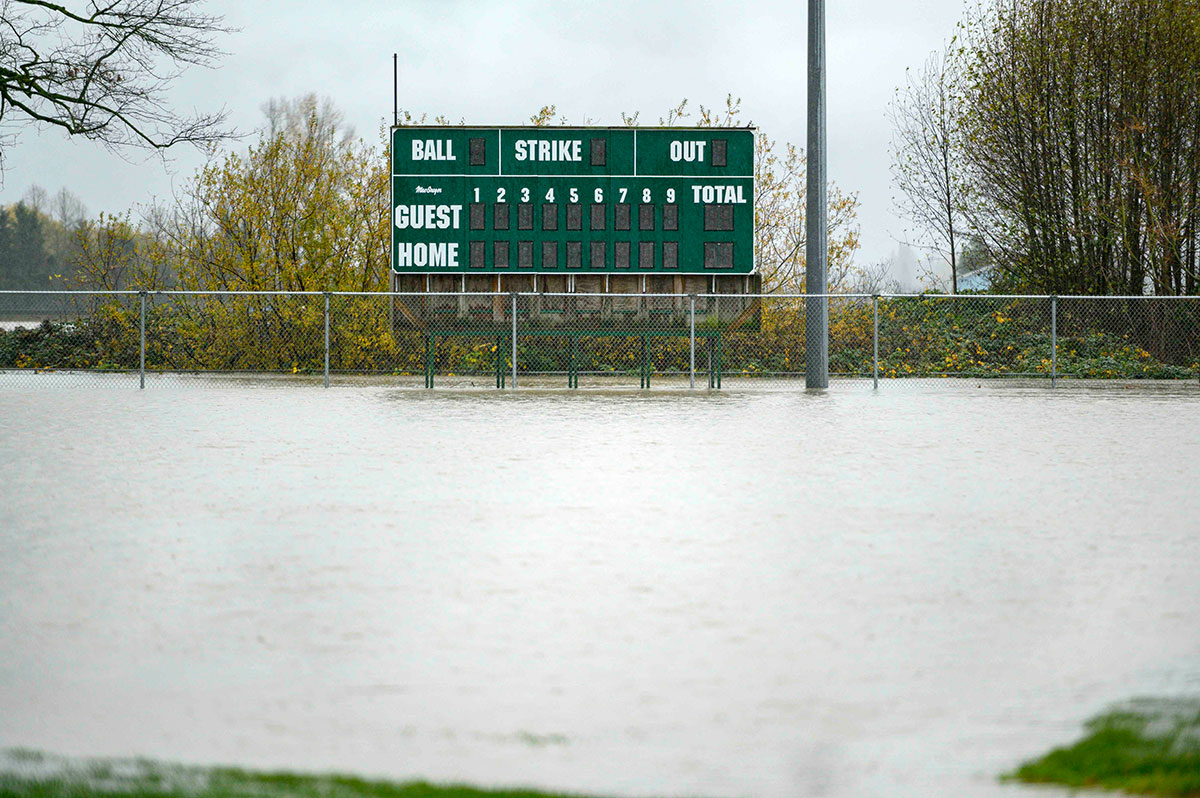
(514, 340)
(326, 339)
(875, 337)
(142, 340)
(1053, 341)
(692, 345)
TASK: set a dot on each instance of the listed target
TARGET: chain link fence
(548, 340)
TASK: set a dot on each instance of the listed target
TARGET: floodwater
(901, 593)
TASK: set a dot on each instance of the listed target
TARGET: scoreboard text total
(571, 200)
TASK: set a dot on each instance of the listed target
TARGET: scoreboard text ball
(572, 200)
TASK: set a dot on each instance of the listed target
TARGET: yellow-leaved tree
(304, 209)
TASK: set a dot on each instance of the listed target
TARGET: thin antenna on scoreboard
(392, 283)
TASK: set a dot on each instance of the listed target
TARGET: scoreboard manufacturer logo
(572, 200)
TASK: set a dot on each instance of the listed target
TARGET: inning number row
(573, 195)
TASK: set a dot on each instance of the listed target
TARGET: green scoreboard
(563, 200)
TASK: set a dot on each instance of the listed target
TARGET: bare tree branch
(925, 165)
(104, 73)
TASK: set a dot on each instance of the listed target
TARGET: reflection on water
(779, 594)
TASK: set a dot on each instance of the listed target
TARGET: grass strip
(1144, 747)
(32, 774)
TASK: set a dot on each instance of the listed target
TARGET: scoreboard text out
(572, 200)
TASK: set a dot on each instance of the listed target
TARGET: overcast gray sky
(493, 62)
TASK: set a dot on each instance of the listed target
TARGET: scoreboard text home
(572, 200)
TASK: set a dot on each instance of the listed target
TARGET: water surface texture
(900, 593)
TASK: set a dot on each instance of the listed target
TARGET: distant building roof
(977, 280)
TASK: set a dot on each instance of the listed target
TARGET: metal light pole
(816, 327)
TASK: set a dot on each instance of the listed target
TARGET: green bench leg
(719, 353)
(428, 361)
(573, 366)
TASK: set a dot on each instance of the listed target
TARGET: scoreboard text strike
(572, 200)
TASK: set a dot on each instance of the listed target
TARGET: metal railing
(604, 340)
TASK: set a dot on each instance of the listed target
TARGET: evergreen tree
(29, 266)
(6, 245)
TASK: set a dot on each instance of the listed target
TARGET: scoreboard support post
(816, 366)
(499, 361)
(572, 364)
(692, 342)
(428, 361)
